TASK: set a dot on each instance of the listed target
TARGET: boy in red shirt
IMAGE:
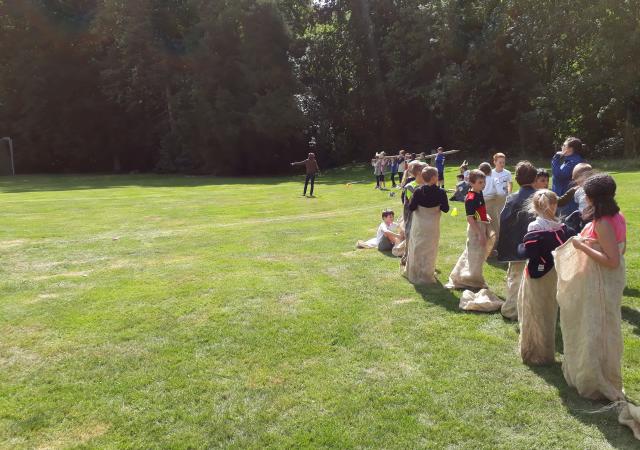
(468, 271)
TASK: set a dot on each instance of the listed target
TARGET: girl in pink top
(607, 228)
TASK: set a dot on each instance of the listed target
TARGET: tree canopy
(243, 86)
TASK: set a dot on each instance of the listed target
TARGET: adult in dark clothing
(312, 169)
(514, 220)
(562, 165)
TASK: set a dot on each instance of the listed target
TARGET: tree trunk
(631, 133)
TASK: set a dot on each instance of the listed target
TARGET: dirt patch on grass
(289, 299)
(12, 243)
(81, 274)
(402, 301)
(16, 356)
(75, 437)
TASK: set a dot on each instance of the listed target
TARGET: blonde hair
(499, 155)
(417, 168)
(581, 172)
(428, 173)
(541, 203)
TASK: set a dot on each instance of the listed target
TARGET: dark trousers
(379, 179)
(393, 178)
(311, 178)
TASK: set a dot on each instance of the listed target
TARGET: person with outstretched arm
(312, 168)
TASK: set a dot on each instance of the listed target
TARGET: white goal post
(8, 143)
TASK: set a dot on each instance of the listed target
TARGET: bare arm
(610, 255)
(510, 187)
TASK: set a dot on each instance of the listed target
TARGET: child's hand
(489, 219)
(577, 244)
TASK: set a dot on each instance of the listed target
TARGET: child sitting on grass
(514, 220)
(461, 189)
(389, 233)
(537, 304)
(468, 271)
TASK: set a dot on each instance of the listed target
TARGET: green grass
(189, 312)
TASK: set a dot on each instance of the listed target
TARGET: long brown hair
(601, 190)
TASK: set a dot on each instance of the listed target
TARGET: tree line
(246, 86)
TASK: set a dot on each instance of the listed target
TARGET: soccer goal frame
(9, 142)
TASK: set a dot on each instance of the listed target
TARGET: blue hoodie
(562, 171)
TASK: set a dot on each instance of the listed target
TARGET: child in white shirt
(388, 232)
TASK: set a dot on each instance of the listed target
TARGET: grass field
(190, 312)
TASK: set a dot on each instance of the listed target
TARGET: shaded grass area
(147, 311)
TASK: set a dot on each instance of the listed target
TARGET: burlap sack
(422, 248)
(467, 272)
(495, 205)
(538, 313)
(399, 249)
(483, 301)
(630, 416)
(514, 280)
(590, 296)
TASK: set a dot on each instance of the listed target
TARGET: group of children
(524, 229)
(398, 165)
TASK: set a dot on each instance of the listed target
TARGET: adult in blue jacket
(562, 165)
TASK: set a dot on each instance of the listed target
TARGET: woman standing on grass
(562, 165)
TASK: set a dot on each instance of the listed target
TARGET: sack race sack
(399, 249)
(630, 416)
(514, 280)
(538, 313)
(371, 243)
(494, 208)
(467, 272)
(483, 301)
(590, 297)
(422, 248)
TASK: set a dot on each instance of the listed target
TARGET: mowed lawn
(190, 312)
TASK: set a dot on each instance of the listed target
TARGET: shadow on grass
(632, 316)
(438, 295)
(493, 262)
(617, 435)
(357, 174)
(631, 292)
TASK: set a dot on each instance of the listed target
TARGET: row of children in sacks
(551, 269)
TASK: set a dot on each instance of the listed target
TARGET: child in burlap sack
(427, 205)
(591, 281)
(537, 304)
(514, 221)
(468, 271)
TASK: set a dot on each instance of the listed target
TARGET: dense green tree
(243, 86)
